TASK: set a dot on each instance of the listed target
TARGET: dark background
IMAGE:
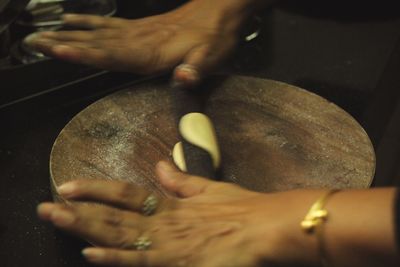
(347, 53)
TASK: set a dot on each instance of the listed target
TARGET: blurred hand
(196, 37)
(207, 224)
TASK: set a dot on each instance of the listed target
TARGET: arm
(210, 224)
(359, 231)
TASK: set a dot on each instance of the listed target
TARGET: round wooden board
(273, 137)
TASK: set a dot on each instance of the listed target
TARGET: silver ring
(149, 205)
(142, 243)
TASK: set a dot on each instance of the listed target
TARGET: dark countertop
(350, 57)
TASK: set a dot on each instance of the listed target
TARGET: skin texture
(210, 223)
(192, 39)
(196, 37)
(206, 223)
(184, 230)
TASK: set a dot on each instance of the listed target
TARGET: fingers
(118, 194)
(115, 257)
(76, 52)
(200, 61)
(78, 36)
(99, 225)
(79, 53)
(54, 48)
(91, 21)
(182, 184)
(97, 53)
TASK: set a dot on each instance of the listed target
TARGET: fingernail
(44, 210)
(62, 218)
(93, 254)
(187, 74)
(66, 189)
(31, 38)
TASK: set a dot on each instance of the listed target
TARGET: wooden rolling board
(273, 136)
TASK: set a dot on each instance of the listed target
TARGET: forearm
(360, 230)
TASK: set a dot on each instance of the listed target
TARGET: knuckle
(126, 192)
(76, 221)
(154, 62)
(122, 239)
(169, 204)
(113, 218)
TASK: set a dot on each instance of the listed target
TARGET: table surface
(339, 56)
(272, 136)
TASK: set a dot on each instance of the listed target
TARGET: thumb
(179, 183)
(199, 62)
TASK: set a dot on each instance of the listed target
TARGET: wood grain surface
(273, 137)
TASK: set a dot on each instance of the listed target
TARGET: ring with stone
(149, 205)
(142, 243)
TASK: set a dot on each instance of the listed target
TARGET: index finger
(119, 194)
(91, 21)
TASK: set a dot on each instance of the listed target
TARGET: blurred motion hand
(196, 37)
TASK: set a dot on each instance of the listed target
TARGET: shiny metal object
(149, 205)
(142, 243)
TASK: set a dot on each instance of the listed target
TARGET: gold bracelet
(314, 220)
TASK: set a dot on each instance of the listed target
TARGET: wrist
(360, 228)
(279, 237)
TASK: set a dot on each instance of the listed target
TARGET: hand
(196, 36)
(207, 224)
